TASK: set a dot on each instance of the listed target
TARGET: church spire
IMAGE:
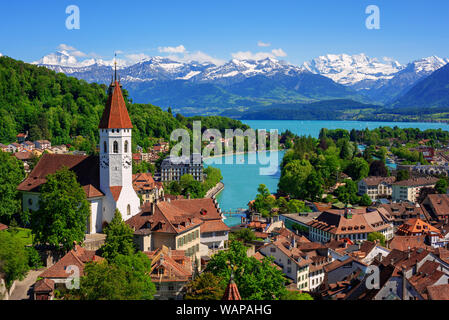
(115, 68)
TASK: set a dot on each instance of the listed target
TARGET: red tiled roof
(76, 257)
(3, 226)
(116, 192)
(86, 169)
(232, 292)
(115, 114)
(214, 226)
(23, 155)
(195, 206)
(44, 285)
(438, 292)
(402, 243)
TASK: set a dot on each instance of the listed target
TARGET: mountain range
(248, 85)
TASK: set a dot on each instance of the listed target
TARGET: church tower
(116, 157)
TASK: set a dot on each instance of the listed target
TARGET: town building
(106, 179)
(173, 169)
(437, 207)
(400, 212)
(409, 190)
(354, 224)
(147, 188)
(376, 187)
(171, 270)
(294, 263)
(42, 144)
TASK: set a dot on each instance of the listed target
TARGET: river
(242, 179)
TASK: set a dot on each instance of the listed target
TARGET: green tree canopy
(13, 257)
(63, 211)
(127, 278)
(255, 280)
(11, 174)
(119, 238)
(373, 236)
(205, 287)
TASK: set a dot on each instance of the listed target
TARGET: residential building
(171, 270)
(376, 187)
(437, 206)
(163, 224)
(42, 144)
(147, 188)
(21, 137)
(400, 212)
(294, 263)
(409, 190)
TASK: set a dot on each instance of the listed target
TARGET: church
(106, 179)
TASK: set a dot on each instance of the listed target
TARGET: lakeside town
(341, 216)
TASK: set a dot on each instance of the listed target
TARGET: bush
(34, 258)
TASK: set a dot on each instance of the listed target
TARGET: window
(126, 146)
(105, 147)
(115, 147)
(128, 210)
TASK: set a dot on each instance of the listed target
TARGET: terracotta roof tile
(115, 114)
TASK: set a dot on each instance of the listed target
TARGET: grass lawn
(23, 234)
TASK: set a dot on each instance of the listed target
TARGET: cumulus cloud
(136, 57)
(248, 55)
(178, 49)
(263, 44)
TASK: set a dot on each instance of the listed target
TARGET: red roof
(115, 114)
(232, 292)
(3, 226)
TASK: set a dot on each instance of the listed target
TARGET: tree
(441, 186)
(295, 295)
(264, 201)
(373, 236)
(119, 238)
(13, 257)
(358, 169)
(127, 278)
(245, 235)
(11, 174)
(378, 168)
(313, 187)
(205, 287)
(63, 211)
(293, 176)
(365, 200)
(402, 175)
(255, 280)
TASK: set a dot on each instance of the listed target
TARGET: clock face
(104, 162)
(127, 162)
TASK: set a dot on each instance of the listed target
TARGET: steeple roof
(115, 114)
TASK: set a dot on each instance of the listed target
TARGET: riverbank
(212, 193)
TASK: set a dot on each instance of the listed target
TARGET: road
(23, 290)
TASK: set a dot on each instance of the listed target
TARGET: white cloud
(136, 57)
(263, 44)
(279, 52)
(178, 49)
(65, 47)
(248, 55)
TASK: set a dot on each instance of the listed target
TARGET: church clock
(104, 162)
(127, 162)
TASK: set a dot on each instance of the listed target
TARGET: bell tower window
(115, 147)
(126, 146)
(105, 147)
(128, 210)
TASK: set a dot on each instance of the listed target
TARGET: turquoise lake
(242, 179)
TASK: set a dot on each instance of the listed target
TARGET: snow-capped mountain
(349, 70)
(330, 76)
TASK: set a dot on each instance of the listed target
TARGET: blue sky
(297, 30)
